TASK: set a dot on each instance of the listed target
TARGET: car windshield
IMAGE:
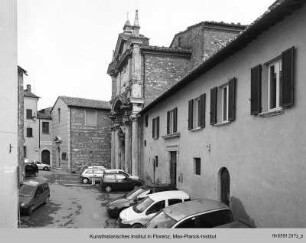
(133, 194)
(26, 190)
(143, 205)
(161, 220)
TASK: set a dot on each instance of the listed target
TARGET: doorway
(224, 186)
(45, 157)
(173, 165)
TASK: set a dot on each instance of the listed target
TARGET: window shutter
(168, 122)
(256, 90)
(190, 114)
(232, 99)
(157, 132)
(213, 106)
(287, 79)
(202, 110)
(153, 127)
(175, 120)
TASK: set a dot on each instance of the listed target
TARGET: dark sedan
(111, 181)
(114, 207)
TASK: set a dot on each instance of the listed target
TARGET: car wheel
(30, 210)
(45, 168)
(137, 226)
(108, 188)
(85, 180)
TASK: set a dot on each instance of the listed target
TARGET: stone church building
(141, 72)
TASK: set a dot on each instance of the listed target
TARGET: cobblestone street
(72, 205)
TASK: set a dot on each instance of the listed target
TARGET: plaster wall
(265, 156)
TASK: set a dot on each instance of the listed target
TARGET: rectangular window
(91, 118)
(59, 115)
(172, 121)
(223, 103)
(25, 151)
(29, 114)
(155, 128)
(29, 132)
(272, 84)
(197, 166)
(45, 127)
(196, 112)
(64, 156)
(274, 75)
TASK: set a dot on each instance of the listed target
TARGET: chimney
(29, 87)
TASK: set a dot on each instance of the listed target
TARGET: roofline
(260, 25)
(210, 24)
(90, 107)
(22, 70)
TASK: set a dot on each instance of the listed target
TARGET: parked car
(118, 181)
(119, 171)
(42, 166)
(115, 206)
(99, 167)
(89, 174)
(235, 224)
(32, 194)
(201, 213)
(138, 215)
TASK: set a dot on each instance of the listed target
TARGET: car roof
(185, 209)
(168, 195)
(34, 182)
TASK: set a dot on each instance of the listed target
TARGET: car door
(154, 209)
(122, 182)
(37, 200)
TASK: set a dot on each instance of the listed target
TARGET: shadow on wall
(240, 214)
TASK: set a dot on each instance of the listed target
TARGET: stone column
(113, 150)
(128, 151)
(117, 150)
(135, 152)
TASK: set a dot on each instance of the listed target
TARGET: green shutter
(190, 114)
(287, 79)
(213, 106)
(256, 90)
(175, 120)
(232, 99)
(202, 109)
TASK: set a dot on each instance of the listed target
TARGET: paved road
(72, 205)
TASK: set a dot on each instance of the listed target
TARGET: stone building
(233, 129)
(45, 135)
(81, 133)
(31, 144)
(140, 73)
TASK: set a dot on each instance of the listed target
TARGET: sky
(66, 45)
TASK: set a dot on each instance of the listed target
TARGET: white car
(89, 174)
(40, 165)
(141, 213)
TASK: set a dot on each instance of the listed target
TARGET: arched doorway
(224, 186)
(45, 157)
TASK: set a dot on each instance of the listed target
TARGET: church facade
(140, 73)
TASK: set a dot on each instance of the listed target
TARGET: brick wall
(162, 72)
(90, 144)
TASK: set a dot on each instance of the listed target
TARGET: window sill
(222, 124)
(196, 129)
(171, 136)
(274, 112)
